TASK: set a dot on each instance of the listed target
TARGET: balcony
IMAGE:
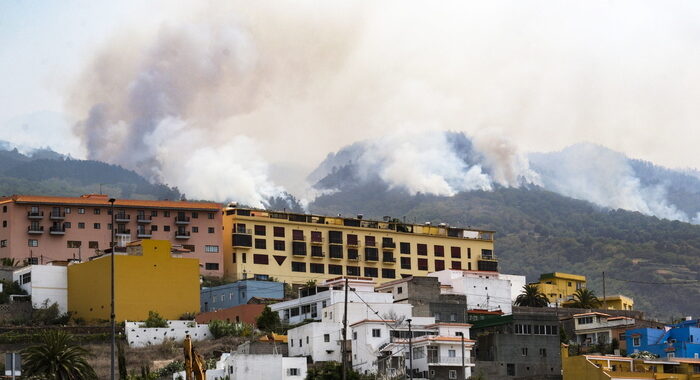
(143, 234)
(122, 218)
(242, 240)
(353, 256)
(182, 235)
(335, 241)
(35, 230)
(298, 238)
(143, 219)
(487, 265)
(447, 360)
(182, 219)
(318, 255)
(57, 215)
(389, 259)
(353, 243)
(57, 230)
(316, 240)
(370, 243)
(35, 214)
(388, 245)
(122, 232)
(370, 257)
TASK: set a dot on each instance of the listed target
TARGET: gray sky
(304, 78)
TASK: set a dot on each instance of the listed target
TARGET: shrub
(155, 320)
(220, 329)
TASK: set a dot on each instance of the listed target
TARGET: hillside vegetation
(539, 231)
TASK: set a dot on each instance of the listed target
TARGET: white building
(329, 292)
(44, 283)
(267, 367)
(484, 290)
(319, 340)
(516, 284)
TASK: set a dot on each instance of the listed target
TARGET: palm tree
(532, 296)
(57, 357)
(585, 299)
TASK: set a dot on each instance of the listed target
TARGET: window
(298, 266)
(352, 254)
(153, 228)
(298, 247)
(354, 335)
(278, 231)
(279, 245)
(3, 243)
(316, 237)
(405, 263)
(259, 230)
(73, 244)
(388, 273)
(293, 371)
(4, 208)
(455, 252)
(66, 225)
(487, 254)
(210, 230)
(66, 210)
(81, 211)
(353, 240)
(376, 333)
(452, 353)
(154, 213)
(317, 250)
(439, 265)
(422, 264)
(469, 253)
(25, 278)
(510, 369)
(195, 229)
(439, 250)
(352, 271)
(452, 374)
(210, 215)
(211, 266)
(636, 341)
(188, 247)
(260, 244)
(523, 351)
(543, 352)
(335, 237)
(195, 215)
(569, 283)
(166, 213)
(211, 248)
(96, 211)
(316, 268)
(371, 272)
(369, 241)
(335, 269)
(423, 249)
(30, 242)
(585, 320)
(166, 228)
(399, 290)
(326, 338)
(405, 248)
(371, 254)
(456, 265)
(93, 245)
(96, 225)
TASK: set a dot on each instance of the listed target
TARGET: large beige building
(297, 248)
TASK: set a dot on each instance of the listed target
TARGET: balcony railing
(447, 360)
(35, 230)
(370, 257)
(319, 255)
(488, 257)
(57, 215)
(389, 259)
(143, 234)
(123, 232)
(57, 231)
(182, 235)
(182, 220)
(388, 245)
(370, 243)
(298, 238)
(336, 255)
(243, 231)
(316, 240)
(122, 218)
(353, 243)
(353, 257)
(35, 214)
(335, 241)
(143, 219)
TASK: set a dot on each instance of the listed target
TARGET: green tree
(9, 262)
(585, 299)
(10, 288)
(333, 371)
(57, 357)
(155, 320)
(268, 320)
(532, 296)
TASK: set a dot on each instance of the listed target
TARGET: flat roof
(103, 200)
(567, 276)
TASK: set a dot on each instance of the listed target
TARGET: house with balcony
(596, 328)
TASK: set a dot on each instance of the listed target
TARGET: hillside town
(307, 296)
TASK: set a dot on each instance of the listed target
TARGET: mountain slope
(539, 231)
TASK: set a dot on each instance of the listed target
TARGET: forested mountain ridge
(538, 231)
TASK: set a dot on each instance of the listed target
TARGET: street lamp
(410, 350)
(461, 334)
(111, 316)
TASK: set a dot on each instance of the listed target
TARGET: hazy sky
(287, 82)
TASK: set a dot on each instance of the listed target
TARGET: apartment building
(40, 229)
(297, 248)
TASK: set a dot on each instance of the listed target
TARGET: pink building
(42, 229)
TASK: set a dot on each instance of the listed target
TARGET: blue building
(681, 340)
(238, 293)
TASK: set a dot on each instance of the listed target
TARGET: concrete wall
(48, 282)
(137, 336)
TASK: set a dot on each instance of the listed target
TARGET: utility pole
(111, 315)
(605, 301)
(345, 331)
(410, 350)
(464, 370)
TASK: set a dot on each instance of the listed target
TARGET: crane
(195, 367)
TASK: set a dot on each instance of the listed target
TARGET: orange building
(40, 229)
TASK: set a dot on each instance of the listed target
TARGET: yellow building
(560, 287)
(297, 248)
(147, 277)
(593, 367)
(617, 302)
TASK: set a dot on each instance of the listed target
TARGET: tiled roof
(591, 313)
(103, 200)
